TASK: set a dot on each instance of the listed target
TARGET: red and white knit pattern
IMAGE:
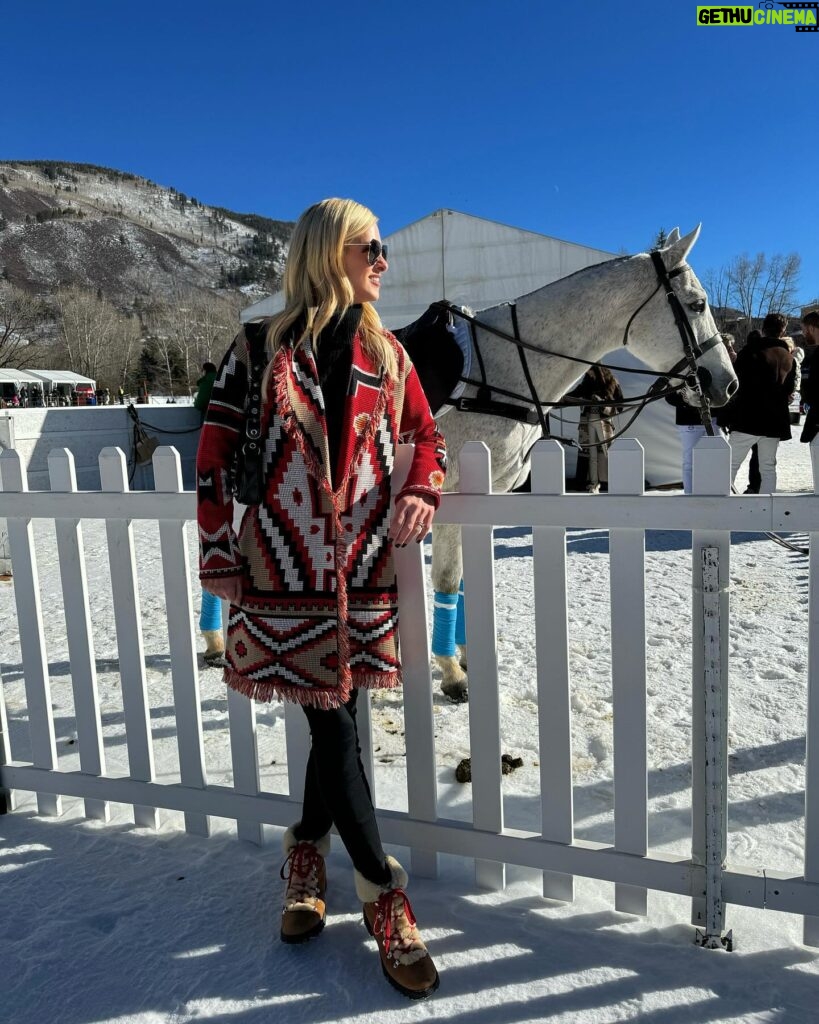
(318, 613)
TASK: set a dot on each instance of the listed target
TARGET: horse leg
(460, 626)
(446, 579)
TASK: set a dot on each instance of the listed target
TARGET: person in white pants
(742, 443)
(690, 429)
(689, 423)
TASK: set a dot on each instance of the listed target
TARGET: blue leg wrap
(443, 624)
(460, 619)
(210, 617)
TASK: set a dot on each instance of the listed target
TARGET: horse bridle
(691, 347)
(692, 379)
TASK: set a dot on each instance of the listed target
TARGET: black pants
(336, 791)
(754, 476)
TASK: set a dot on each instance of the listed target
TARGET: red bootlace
(302, 861)
(387, 908)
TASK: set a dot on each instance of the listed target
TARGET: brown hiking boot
(388, 917)
(304, 909)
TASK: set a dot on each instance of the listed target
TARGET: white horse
(583, 315)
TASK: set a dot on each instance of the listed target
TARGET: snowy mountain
(127, 237)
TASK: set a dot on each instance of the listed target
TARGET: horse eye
(698, 306)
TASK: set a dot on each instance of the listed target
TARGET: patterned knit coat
(318, 611)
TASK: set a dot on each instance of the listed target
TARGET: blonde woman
(310, 577)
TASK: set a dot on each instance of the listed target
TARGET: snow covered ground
(105, 923)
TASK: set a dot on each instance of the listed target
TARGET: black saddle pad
(435, 354)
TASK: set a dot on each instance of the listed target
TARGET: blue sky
(594, 121)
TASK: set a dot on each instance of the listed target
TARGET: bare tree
(122, 351)
(20, 314)
(181, 326)
(87, 324)
(201, 326)
(217, 319)
(718, 285)
(755, 286)
(161, 331)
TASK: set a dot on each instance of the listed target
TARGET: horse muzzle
(715, 377)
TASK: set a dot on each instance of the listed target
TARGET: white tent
(18, 377)
(478, 263)
(54, 377)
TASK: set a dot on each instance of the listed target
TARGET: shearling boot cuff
(289, 841)
(368, 892)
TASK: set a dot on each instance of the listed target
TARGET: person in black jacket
(810, 379)
(759, 414)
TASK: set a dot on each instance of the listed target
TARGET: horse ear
(673, 236)
(675, 253)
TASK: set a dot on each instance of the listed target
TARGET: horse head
(672, 330)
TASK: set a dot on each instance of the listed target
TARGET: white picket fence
(710, 514)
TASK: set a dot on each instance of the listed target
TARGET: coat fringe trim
(264, 692)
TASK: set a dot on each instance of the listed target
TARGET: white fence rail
(710, 514)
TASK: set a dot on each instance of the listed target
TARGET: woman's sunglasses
(374, 249)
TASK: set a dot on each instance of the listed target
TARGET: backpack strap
(256, 333)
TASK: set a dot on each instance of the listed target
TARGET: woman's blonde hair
(316, 287)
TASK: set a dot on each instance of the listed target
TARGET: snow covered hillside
(125, 235)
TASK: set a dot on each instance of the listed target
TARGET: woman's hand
(229, 588)
(412, 519)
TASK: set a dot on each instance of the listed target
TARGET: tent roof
(60, 377)
(466, 259)
(19, 376)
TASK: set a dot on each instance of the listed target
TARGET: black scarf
(334, 358)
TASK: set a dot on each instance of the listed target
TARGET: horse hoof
(456, 691)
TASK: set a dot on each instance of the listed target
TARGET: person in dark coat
(760, 412)
(754, 476)
(810, 377)
(602, 398)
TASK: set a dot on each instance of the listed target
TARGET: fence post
(711, 552)
(244, 753)
(810, 927)
(628, 671)
(7, 440)
(419, 719)
(7, 798)
(716, 754)
(552, 666)
(32, 639)
(173, 546)
(475, 475)
(128, 626)
(79, 634)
